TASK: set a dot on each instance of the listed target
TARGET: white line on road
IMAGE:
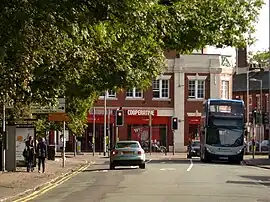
(190, 166)
(149, 161)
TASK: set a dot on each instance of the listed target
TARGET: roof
(240, 81)
(225, 100)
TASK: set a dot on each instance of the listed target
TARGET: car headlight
(207, 149)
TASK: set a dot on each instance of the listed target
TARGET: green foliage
(261, 57)
(78, 49)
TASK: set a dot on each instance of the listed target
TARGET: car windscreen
(121, 145)
(196, 144)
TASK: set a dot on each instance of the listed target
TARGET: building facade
(256, 100)
(197, 77)
(179, 91)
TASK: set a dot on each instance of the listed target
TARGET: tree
(77, 49)
(261, 57)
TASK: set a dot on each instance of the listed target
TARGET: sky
(262, 35)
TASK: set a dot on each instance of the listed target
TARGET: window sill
(195, 99)
(134, 98)
(161, 99)
(108, 98)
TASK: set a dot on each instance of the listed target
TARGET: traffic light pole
(173, 142)
(150, 133)
(253, 138)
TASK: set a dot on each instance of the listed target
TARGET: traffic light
(265, 118)
(119, 118)
(174, 123)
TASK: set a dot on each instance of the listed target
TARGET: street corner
(44, 187)
(260, 163)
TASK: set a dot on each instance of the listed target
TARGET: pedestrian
(42, 154)
(29, 152)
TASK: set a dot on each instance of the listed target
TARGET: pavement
(166, 178)
(258, 161)
(16, 183)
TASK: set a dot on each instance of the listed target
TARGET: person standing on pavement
(42, 154)
(30, 151)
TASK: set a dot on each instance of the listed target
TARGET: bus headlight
(239, 151)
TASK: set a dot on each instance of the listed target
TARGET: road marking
(101, 171)
(168, 169)
(149, 161)
(190, 166)
(260, 182)
(49, 187)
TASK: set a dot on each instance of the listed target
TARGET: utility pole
(64, 144)
(109, 135)
(105, 126)
(269, 107)
(4, 137)
(94, 132)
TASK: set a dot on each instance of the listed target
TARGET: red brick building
(179, 92)
(158, 101)
(240, 92)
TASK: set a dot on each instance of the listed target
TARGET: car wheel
(112, 166)
(142, 166)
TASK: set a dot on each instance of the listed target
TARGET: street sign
(59, 107)
(58, 117)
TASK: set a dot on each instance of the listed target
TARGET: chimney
(241, 57)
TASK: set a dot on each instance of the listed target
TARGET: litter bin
(51, 152)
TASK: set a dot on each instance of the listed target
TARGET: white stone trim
(164, 77)
(197, 113)
(197, 77)
(226, 77)
(165, 112)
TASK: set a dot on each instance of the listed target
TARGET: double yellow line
(49, 187)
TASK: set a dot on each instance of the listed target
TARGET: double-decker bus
(222, 130)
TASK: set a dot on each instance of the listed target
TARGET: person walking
(29, 153)
(42, 154)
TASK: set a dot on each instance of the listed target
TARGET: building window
(109, 94)
(134, 93)
(225, 89)
(196, 89)
(160, 88)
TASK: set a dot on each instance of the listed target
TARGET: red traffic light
(119, 113)
(175, 120)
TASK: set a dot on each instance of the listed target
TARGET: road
(165, 181)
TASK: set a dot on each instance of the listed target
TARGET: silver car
(127, 153)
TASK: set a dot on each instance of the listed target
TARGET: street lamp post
(105, 125)
(258, 80)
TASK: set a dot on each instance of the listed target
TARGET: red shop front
(194, 127)
(136, 126)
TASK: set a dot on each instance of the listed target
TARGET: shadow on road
(258, 178)
(187, 161)
(253, 180)
(107, 169)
